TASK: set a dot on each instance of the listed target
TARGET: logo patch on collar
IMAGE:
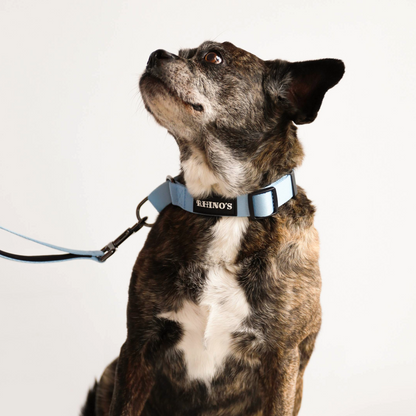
(216, 206)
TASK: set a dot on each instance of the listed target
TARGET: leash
(99, 255)
(255, 205)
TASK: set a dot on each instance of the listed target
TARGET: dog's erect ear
(302, 85)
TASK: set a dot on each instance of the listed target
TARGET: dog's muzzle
(159, 57)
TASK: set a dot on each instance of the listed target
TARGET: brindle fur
(244, 138)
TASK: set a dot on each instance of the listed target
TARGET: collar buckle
(250, 196)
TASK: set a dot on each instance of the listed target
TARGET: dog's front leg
(279, 382)
(133, 383)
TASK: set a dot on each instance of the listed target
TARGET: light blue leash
(71, 254)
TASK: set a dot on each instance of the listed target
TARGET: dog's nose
(159, 57)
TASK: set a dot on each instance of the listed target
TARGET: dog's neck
(210, 165)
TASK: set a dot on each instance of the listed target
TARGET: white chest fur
(221, 308)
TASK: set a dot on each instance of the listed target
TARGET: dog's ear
(302, 85)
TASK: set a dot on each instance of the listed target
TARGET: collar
(258, 204)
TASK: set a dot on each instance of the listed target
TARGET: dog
(224, 311)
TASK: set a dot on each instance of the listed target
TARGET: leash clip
(111, 247)
(108, 250)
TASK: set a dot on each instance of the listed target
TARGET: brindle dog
(223, 313)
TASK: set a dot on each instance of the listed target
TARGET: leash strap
(256, 205)
(69, 254)
(100, 255)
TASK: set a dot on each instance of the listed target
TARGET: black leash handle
(44, 258)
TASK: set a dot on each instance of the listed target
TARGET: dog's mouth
(155, 80)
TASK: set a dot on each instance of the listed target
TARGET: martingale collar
(256, 205)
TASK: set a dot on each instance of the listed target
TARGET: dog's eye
(213, 58)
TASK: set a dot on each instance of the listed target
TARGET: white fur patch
(201, 180)
(221, 309)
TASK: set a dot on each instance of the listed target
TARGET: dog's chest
(208, 325)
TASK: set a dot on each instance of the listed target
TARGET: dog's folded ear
(301, 86)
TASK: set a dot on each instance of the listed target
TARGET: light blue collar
(256, 205)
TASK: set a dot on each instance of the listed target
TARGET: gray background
(78, 152)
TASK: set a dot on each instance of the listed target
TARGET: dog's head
(232, 113)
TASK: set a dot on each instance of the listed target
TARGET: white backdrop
(78, 152)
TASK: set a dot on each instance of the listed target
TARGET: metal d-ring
(138, 213)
